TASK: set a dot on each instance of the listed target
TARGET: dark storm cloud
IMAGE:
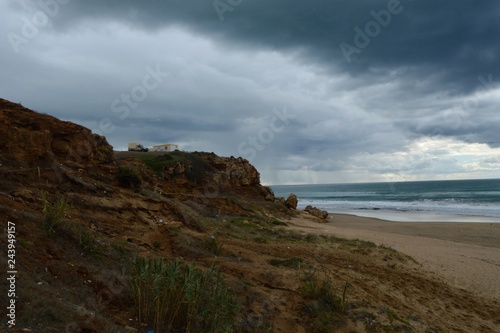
(366, 81)
(453, 41)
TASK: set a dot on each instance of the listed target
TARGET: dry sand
(467, 255)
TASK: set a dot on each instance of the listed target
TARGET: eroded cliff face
(29, 139)
(69, 154)
(211, 175)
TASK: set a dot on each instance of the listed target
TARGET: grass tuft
(86, 240)
(53, 214)
(178, 297)
(323, 307)
(213, 245)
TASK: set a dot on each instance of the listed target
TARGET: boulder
(292, 201)
(322, 214)
(269, 194)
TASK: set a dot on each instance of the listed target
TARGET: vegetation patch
(128, 177)
(323, 307)
(213, 245)
(278, 223)
(195, 166)
(53, 214)
(172, 296)
(158, 163)
(86, 240)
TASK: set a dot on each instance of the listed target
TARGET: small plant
(128, 177)
(178, 297)
(213, 245)
(324, 309)
(53, 214)
(86, 241)
(343, 300)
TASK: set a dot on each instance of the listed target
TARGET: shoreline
(475, 233)
(467, 255)
(413, 216)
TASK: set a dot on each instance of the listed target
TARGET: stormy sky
(309, 91)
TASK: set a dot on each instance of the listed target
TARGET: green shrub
(128, 177)
(53, 214)
(177, 297)
(158, 163)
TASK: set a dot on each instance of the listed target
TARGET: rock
(213, 174)
(322, 214)
(30, 139)
(292, 201)
(268, 193)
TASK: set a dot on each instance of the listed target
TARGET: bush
(53, 214)
(128, 177)
(177, 297)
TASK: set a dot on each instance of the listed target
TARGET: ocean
(419, 201)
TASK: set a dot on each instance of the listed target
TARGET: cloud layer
(321, 91)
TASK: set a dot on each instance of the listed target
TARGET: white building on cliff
(167, 147)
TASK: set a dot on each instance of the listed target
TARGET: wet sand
(467, 255)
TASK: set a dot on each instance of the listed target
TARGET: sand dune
(467, 255)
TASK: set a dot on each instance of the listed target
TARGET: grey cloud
(455, 39)
(227, 76)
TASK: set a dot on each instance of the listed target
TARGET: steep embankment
(83, 213)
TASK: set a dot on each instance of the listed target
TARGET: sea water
(449, 200)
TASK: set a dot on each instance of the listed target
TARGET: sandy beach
(467, 255)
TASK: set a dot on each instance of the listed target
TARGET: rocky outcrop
(232, 171)
(291, 202)
(44, 147)
(30, 139)
(322, 214)
(269, 194)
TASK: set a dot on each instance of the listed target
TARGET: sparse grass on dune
(172, 296)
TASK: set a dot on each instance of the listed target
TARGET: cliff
(29, 139)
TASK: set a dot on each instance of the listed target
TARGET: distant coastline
(424, 201)
(405, 216)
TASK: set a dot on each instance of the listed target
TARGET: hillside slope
(76, 266)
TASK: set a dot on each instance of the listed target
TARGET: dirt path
(468, 266)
